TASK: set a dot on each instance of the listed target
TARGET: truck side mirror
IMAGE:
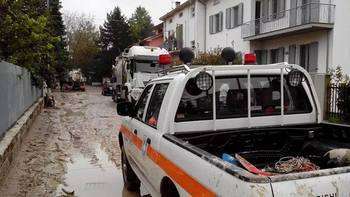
(125, 109)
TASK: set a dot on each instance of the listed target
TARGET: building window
(234, 16)
(292, 54)
(261, 57)
(193, 44)
(171, 20)
(193, 11)
(215, 23)
(272, 9)
(181, 14)
(277, 55)
(309, 57)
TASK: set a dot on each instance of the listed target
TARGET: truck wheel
(131, 182)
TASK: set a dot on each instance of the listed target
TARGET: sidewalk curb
(13, 138)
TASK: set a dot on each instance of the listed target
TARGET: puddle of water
(88, 178)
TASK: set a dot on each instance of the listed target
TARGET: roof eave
(175, 10)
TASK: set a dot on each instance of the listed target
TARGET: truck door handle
(135, 132)
(148, 141)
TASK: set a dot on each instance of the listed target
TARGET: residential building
(294, 31)
(184, 26)
(224, 24)
(157, 39)
(310, 33)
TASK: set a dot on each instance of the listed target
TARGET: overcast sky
(100, 8)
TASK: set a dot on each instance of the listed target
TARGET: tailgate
(337, 185)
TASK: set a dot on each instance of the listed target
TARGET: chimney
(177, 3)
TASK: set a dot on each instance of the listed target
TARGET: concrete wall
(16, 94)
(321, 83)
(227, 37)
(339, 37)
(12, 141)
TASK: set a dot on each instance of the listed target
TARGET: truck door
(151, 134)
(136, 125)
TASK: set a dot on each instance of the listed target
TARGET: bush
(214, 58)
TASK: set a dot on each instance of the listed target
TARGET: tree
(115, 37)
(115, 34)
(140, 24)
(83, 41)
(24, 36)
(57, 29)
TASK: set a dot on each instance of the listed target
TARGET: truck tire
(131, 182)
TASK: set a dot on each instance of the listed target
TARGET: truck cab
(135, 68)
(266, 118)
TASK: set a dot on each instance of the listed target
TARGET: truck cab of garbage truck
(135, 68)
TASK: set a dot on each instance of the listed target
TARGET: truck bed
(263, 147)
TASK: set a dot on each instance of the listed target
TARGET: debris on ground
(56, 137)
(69, 191)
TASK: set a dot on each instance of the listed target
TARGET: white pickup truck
(175, 138)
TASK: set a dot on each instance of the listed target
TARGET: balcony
(308, 17)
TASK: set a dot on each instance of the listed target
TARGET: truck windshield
(232, 99)
(146, 66)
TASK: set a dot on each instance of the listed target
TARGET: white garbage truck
(135, 68)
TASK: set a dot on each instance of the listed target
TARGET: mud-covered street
(71, 150)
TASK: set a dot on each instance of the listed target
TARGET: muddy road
(72, 148)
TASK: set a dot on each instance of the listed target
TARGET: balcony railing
(312, 13)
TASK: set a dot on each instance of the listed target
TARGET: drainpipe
(327, 56)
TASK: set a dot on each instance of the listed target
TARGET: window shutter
(220, 21)
(281, 8)
(293, 13)
(313, 57)
(211, 26)
(280, 54)
(240, 14)
(228, 18)
(292, 54)
(264, 56)
(265, 10)
(315, 11)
